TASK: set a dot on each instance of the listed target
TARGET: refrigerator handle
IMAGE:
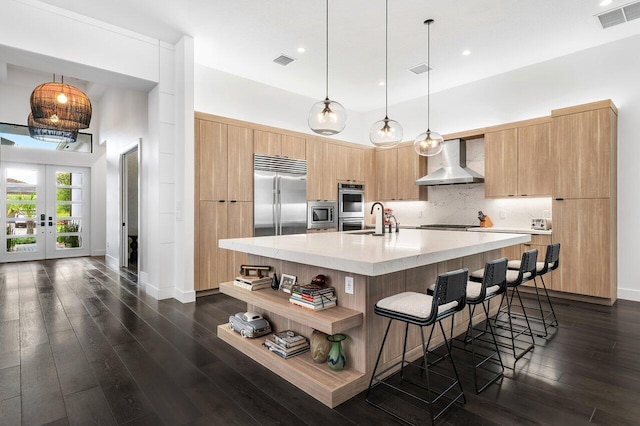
(279, 202)
(273, 205)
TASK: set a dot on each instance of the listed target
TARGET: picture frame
(287, 281)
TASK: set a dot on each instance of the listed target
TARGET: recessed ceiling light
(301, 49)
(466, 52)
(604, 3)
(381, 83)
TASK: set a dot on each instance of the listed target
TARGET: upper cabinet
(396, 172)
(276, 144)
(518, 160)
(351, 163)
(225, 157)
(584, 151)
(321, 170)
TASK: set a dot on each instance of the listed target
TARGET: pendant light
(327, 117)
(428, 143)
(386, 133)
(60, 106)
(47, 134)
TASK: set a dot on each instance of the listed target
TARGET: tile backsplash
(459, 204)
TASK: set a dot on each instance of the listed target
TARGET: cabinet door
(212, 261)
(293, 147)
(240, 163)
(350, 163)
(582, 145)
(239, 225)
(581, 226)
(411, 166)
(501, 163)
(321, 170)
(212, 173)
(370, 182)
(267, 143)
(387, 174)
(535, 166)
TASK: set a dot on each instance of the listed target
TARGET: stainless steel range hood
(454, 167)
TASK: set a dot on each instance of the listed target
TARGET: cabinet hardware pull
(233, 201)
(221, 201)
(559, 199)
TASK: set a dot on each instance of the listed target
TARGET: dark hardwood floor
(82, 344)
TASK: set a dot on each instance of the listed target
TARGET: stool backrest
(450, 287)
(527, 267)
(551, 258)
(495, 273)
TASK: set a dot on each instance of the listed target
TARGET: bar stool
(422, 310)
(526, 272)
(551, 263)
(494, 283)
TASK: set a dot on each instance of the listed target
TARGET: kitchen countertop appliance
(350, 206)
(279, 196)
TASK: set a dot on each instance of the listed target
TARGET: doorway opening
(130, 214)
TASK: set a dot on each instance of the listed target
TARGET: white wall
(227, 95)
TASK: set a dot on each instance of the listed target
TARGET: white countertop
(512, 230)
(374, 255)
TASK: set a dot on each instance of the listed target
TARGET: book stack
(252, 283)
(313, 296)
(287, 343)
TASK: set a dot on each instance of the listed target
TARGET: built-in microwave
(350, 224)
(350, 200)
(321, 214)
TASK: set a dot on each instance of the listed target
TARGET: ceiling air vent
(619, 15)
(419, 69)
(283, 60)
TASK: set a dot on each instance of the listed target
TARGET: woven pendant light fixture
(60, 106)
(45, 134)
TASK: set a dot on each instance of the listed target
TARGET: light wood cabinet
(212, 262)
(535, 164)
(321, 170)
(350, 163)
(276, 144)
(518, 160)
(584, 153)
(224, 162)
(239, 225)
(538, 242)
(587, 247)
(396, 172)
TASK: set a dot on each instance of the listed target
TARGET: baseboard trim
(629, 294)
(97, 253)
(184, 296)
(112, 262)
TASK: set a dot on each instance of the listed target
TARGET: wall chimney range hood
(454, 167)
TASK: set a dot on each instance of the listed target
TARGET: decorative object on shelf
(275, 282)
(60, 106)
(327, 117)
(253, 270)
(249, 324)
(320, 346)
(287, 344)
(47, 134)
(428, 143)
(287, 281)
(336, 358)
(386, 133)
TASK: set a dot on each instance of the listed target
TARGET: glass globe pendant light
(386, 133)
(327, 117)
(428, 143)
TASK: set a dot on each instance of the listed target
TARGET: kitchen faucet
(394, 221)
(379, 220)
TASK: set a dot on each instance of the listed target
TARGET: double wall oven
(350, 206)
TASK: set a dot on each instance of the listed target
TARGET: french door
(45, 210)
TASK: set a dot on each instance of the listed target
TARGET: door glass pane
(69, 241)
(22, 176)
(69, 179)
(69, 212)
(21, 244)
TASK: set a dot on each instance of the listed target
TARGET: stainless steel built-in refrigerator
(279, 196)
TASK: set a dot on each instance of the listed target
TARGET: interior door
(45, 212)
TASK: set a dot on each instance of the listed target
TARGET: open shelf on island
(318, 380)
(331, 321)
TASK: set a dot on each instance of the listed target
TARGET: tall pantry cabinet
(584, 140)
(224, 198)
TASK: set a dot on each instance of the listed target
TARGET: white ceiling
(243, 37)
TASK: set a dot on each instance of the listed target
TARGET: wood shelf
(318, 380)
(330, 321)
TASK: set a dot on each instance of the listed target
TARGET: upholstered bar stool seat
(512, 276)
(425, 386)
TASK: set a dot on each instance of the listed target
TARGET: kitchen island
(377, 267)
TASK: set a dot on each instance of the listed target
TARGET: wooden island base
(354, 317)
